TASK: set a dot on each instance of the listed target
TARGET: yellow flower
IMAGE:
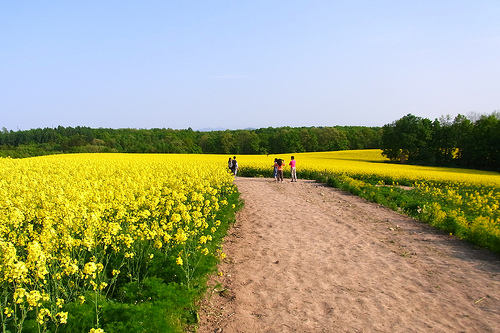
(178, 261)
(41, 315)
(18, 271)
(96, 330)
(94, 285)
(90, 268)
(99, 267)
(59, 302)
(63, 317)
(181, 236)
(33, 297)
(114, 228)
(8, 312)
(175, 218)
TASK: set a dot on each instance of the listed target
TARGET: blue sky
(241, 64)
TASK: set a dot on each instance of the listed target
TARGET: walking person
(235, 166)
(293, 169)
(230, 164)
(280, 169)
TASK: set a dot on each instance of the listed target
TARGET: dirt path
(303, 257)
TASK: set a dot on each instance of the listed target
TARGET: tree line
(464, 141)
(467, 142)
(43, 141)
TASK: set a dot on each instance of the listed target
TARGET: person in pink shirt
(293, 170)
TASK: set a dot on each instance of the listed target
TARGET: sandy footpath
(303, 257)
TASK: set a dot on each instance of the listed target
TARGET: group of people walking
(278, 169)
(278, 166)
(232, 164)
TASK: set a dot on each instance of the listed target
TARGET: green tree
(309, 140)
(330, 139)
(208, 143)
(461, 132)
(486, 138)
(248, 142)
(227, 142)
(408, 139)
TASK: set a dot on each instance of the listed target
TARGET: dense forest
(467, 142)
(43, 141)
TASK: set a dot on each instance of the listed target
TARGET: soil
(304, 257)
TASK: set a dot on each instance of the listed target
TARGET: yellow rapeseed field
(64, 219)
(74, 224)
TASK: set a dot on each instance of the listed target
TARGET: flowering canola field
(71, 225)
(80, 229)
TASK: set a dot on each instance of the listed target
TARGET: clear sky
(245, 64)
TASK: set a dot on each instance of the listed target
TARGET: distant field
(368, 163)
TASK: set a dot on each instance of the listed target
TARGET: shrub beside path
(304, 257)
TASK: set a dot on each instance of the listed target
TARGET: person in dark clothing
(235, 166)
